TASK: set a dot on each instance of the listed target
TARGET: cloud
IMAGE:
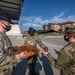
(38, 22)
(62, 13)
(35, 22)
(57, 18)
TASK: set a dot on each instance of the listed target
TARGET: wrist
(45, 53)
(45, 49)
(48, 53)
(18, 57)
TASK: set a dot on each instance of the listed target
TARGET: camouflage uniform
(6, 60)
(66, 58)
(65, 61)
(32, 60)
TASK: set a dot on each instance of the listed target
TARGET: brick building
(58, 26)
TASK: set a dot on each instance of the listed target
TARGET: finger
(19, 45)
(25, 52)
(43, 51)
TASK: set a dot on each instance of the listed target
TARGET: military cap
(5, 16)
(31, 30)
(70, 29)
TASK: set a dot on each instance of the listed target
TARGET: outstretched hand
(44, 52)
(46, 49)
(23, 55)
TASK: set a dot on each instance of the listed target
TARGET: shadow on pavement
(46, 65)
(38, 67)
(57, 52)
(21, 68)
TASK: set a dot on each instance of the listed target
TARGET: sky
(36, 13)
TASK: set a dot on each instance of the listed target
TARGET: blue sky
(36, 13)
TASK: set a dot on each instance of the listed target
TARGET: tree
(60, 31)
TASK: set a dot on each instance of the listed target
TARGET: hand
(19, 45)
(44, 52)
(46, 49)
(23, 55)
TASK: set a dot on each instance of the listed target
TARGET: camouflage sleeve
(63, 57)
(40, 43)
(1, 49)
(52, 61)
(25, 41)
(18, 58)
(3, 56)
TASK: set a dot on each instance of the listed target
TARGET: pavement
(43, 66)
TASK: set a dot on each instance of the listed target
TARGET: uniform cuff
(18, 58)
(48, 54)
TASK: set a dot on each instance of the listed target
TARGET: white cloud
(58, 19)
(38, 22)
(62, 13)
(35, 22)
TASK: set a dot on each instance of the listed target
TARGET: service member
(66, 58)
(7, 61)
(33, 40)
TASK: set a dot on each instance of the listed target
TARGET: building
(57, 27)
(66, 24)
(13, 7)
(15, 31)
(47, 27)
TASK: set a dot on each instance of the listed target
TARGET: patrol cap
(5, 16)
(70, 29)
(31, 30)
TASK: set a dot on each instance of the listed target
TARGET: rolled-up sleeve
(40, 43)
(52, 61)
(18, 58)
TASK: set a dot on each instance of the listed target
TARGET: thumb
(25, 52)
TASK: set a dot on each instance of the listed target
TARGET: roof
(13, 7)
(68, 22)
